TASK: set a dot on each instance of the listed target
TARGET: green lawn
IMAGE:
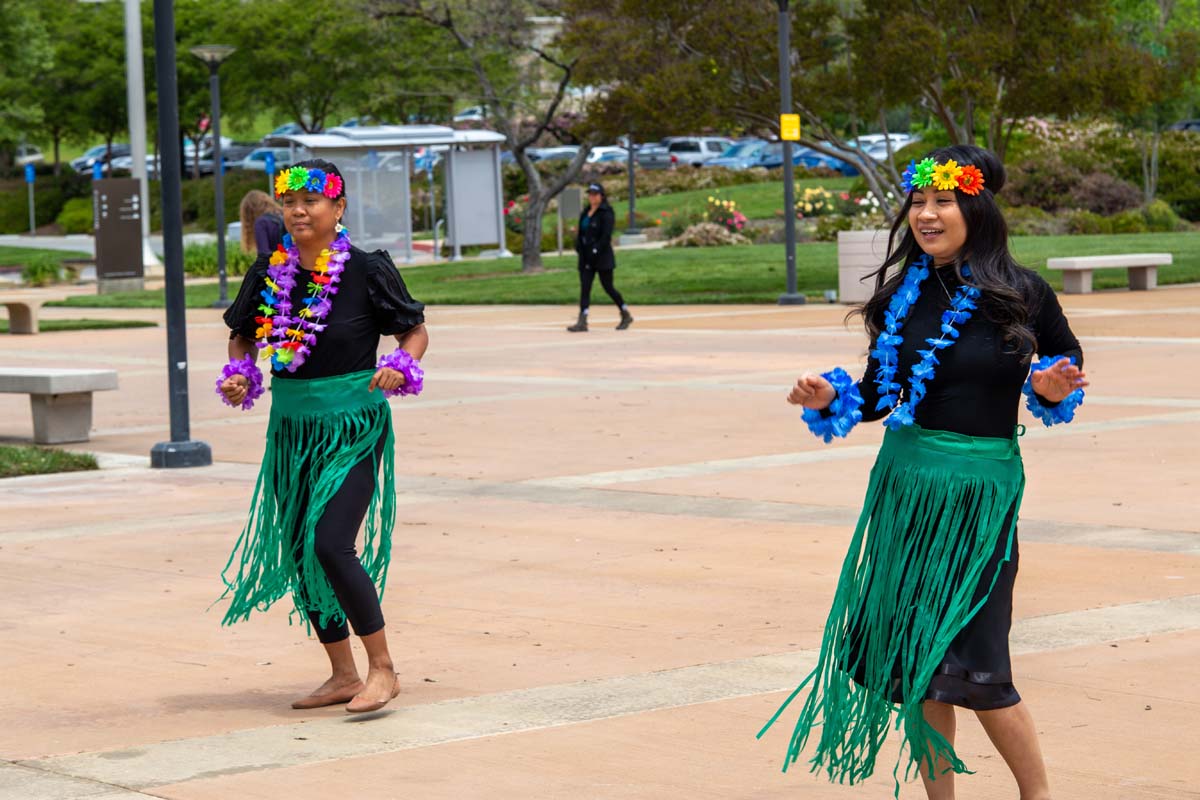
(747, 274)
(60, 325)
(18, 256)
(16, 461)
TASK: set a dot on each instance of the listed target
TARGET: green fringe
(319, 429)
(933, 516)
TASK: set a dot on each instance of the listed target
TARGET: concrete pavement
(615, 553)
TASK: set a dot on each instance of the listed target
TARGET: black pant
(336, 532)
(587, 276)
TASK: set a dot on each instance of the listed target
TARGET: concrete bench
(23, 310)
(61, 399)
(1077, 271)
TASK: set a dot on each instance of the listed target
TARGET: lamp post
(179, 451)
(213, 55)
(632, 162)
(791, 297)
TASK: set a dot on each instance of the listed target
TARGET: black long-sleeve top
(976, 387)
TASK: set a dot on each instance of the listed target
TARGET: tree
(304, 59)
(1165, 34)
(27, 53)
(975, 65)
(98, 41)
(512, 61)
(61, 80)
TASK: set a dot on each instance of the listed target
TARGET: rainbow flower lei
(285, 338)
(303, 179)
(944, 177)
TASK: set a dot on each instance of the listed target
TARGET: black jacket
(594, 243)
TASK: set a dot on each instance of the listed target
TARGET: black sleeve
(870, 392)
(395, 309)
(1050, 326)
(579, 234)
(604, 222)
(239, 317)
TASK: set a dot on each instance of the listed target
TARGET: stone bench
(1077, 271)
(23, 310)
(61, 399)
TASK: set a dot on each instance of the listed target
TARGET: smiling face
(937, 223)
(310, 217)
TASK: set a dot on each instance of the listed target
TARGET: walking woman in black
(593, 243)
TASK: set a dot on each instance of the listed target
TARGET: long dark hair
(1007, 287)
(328, 167)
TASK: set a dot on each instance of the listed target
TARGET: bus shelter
(378, 165)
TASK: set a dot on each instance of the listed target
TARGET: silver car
(680, 151)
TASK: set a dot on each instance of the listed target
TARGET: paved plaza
(614, 556)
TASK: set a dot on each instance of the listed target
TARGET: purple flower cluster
(403, 362)
(250, 371)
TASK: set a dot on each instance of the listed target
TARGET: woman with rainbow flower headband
(315, 311)
(921, 615)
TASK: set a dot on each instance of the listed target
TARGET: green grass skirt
(934, 514)
(319, 429)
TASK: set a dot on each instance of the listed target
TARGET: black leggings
(336, 532)
(586, 276)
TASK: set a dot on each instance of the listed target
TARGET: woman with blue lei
(314, 312)
(921, 615)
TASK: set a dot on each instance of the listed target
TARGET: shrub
(724, 213)
(673, 223)
(828, 227)
(1043, 181)
(50, 193)
(1105, 194)
(707, 234)
(1133, 221)
(200, 260)
(76, 215)
(1160, 217)
(1033, 221)
(40, 270)
(1088, 222)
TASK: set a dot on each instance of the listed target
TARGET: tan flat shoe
(357, 707)
(329, 699)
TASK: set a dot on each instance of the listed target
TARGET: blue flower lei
(1064, 411)
(887, 345)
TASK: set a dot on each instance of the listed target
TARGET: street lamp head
(212, 54)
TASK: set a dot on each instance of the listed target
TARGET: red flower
(971, 180)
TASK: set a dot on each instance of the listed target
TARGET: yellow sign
(789, 127)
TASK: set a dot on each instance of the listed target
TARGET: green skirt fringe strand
(934, 514)
(319, 429)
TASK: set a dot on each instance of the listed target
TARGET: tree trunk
(57, 161)
(531, 246)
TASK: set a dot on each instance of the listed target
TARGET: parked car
(651, 155)
(691, 151)
(124, 164)
(742, 155)
(772, 156)
(256, 159)
(27, 154)
(813, 159)
(472, 114)
(605, 153)
(100, 152)
(1190, 125)
(287, 129)
(564, 153)
(875, 145)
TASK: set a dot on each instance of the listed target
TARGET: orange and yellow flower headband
(943, 177)
(298, 179)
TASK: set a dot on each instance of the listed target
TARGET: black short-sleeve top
(372, 301)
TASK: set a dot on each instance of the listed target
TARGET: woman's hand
(386, 379)
(234, 388)
(1058, 380)
(812, 391)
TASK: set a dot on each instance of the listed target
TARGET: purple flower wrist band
(403, 362)
(248, 370)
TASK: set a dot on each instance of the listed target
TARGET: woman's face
(594, 199)
(937, 223)
(310, 217)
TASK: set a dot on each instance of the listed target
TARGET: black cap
(595, 188)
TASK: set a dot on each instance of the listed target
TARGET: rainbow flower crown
(303, 179)
(943, 177)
